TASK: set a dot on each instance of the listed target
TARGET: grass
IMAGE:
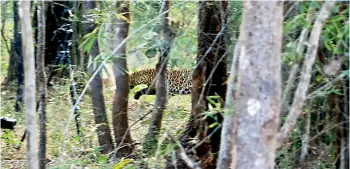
(84, 152)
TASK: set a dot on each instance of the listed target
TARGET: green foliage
(151, 52)
(9, 137)
(88, 40)
(122, 164)
(336, 32)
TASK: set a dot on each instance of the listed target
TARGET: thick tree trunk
(209, 79)
(29, 83)
(98, 103)
(41, 80)
(117, 32)
(259, 85)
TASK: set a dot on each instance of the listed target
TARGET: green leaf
(315, 4)
(151, 53)
(346, 73)
(212, 125)
(88, 46)
(88, 41)
(122, 17)
(123, 162)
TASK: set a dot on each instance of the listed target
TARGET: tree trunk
(76, 37)
(230, 121)
(306, 136)
(14, 57)
(259, 85)
(41, 81)
(18, 57)
(98, 103)
(29, 83)
(208, 79)
(116, 34)
(161, 85)
(344, 129)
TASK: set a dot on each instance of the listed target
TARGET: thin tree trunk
(117, 33)
(18, 54)
(77, 35)
(40, 62)
(98, 103)
(303, 85)
(3, 24)
(161, 94)
(29, 83)
(17, 44)
(259, 84)
(295, 67)
(306, 136)
(230, 121)
(344, 156)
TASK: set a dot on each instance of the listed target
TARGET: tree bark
(259, 85)
(161, 84)
(230, 121)
(98, 103)
(14, 56)
(208, 79)
(29, 83)
(116, 34)
(305, 137)
(18, 57)
(304, 82)
(41, 81)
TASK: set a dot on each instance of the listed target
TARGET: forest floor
(81, 153)
(84, 152)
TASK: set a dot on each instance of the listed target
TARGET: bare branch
(293, 72)
(303, 85)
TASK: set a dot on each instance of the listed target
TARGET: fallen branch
(300, 94)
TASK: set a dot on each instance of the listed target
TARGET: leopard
(179, 81)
